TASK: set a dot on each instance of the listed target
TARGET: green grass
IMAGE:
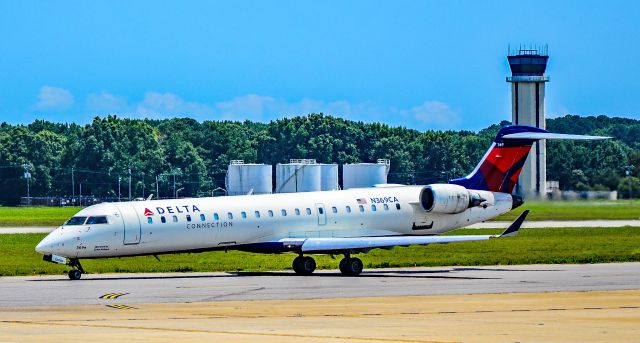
(35, 216)
(531, 246)
(576, 210)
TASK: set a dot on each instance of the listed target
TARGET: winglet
(512, 230)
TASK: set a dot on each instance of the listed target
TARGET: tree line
(160, 156)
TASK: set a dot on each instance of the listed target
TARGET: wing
(328, 245)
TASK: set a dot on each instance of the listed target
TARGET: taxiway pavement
(57, 290)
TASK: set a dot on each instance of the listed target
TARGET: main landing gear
(351, 266)
(76, 272)
(304, 265)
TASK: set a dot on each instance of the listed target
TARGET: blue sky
(420, 64)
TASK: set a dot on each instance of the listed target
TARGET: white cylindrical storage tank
(363, 175)
(298, 177)
(308, 178)
(329, 177)
(244, 178)
(286, 178)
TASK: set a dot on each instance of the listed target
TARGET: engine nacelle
(448, 198)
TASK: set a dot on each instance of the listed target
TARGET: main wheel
(351, 266)
(75, 274)
(297, 264)
(304, 265)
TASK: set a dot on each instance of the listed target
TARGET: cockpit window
(97, 220)
(76, 221)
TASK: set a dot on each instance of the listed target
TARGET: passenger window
(202, 217)
(257, 214)
(229, 215)
(361, 208)
(243, 214)
(150, 220)
(97, 220)
(308, 211)
(386, 207)
(320, 210)
(284, 213)
(188, 217)
(297, 211)
(373, 208)
(334, 209)
(270, 213)
(175, 219)
(348, 209)
(397, 206)
(216, 216)
(162, 219)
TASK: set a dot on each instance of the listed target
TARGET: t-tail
(500, 167)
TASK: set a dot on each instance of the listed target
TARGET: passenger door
(130, 222)
(322, 214)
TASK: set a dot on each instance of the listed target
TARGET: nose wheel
(351, 266)
(304, 265)
(76, 272)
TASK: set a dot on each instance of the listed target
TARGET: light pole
(628, 170)
(178, 191)
(27, 177)
(73, 185)
(119, 179)
(142, 185)
(157, 188)
(129, 183)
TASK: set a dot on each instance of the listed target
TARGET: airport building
(528, 81)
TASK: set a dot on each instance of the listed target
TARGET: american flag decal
(362, 201)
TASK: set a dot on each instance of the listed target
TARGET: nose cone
(45, 247)
(49, 243)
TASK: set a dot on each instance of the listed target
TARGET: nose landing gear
(76, 272)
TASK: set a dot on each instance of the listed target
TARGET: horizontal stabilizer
(549, 135)
(512, 230)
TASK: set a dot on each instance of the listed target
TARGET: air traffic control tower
(527, 103)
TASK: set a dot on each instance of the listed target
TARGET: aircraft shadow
(416, 274)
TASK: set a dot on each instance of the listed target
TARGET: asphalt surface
(19, 292)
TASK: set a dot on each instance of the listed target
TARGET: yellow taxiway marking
(112, 295)
(122, 307)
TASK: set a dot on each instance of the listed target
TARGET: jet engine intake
(448, 198)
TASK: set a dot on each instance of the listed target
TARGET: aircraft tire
(351, 266)
(308, 265)
(297, 264)
(75, 274)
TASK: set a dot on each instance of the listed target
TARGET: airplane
(343, 222)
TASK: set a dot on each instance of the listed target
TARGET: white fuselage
(252, 222)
